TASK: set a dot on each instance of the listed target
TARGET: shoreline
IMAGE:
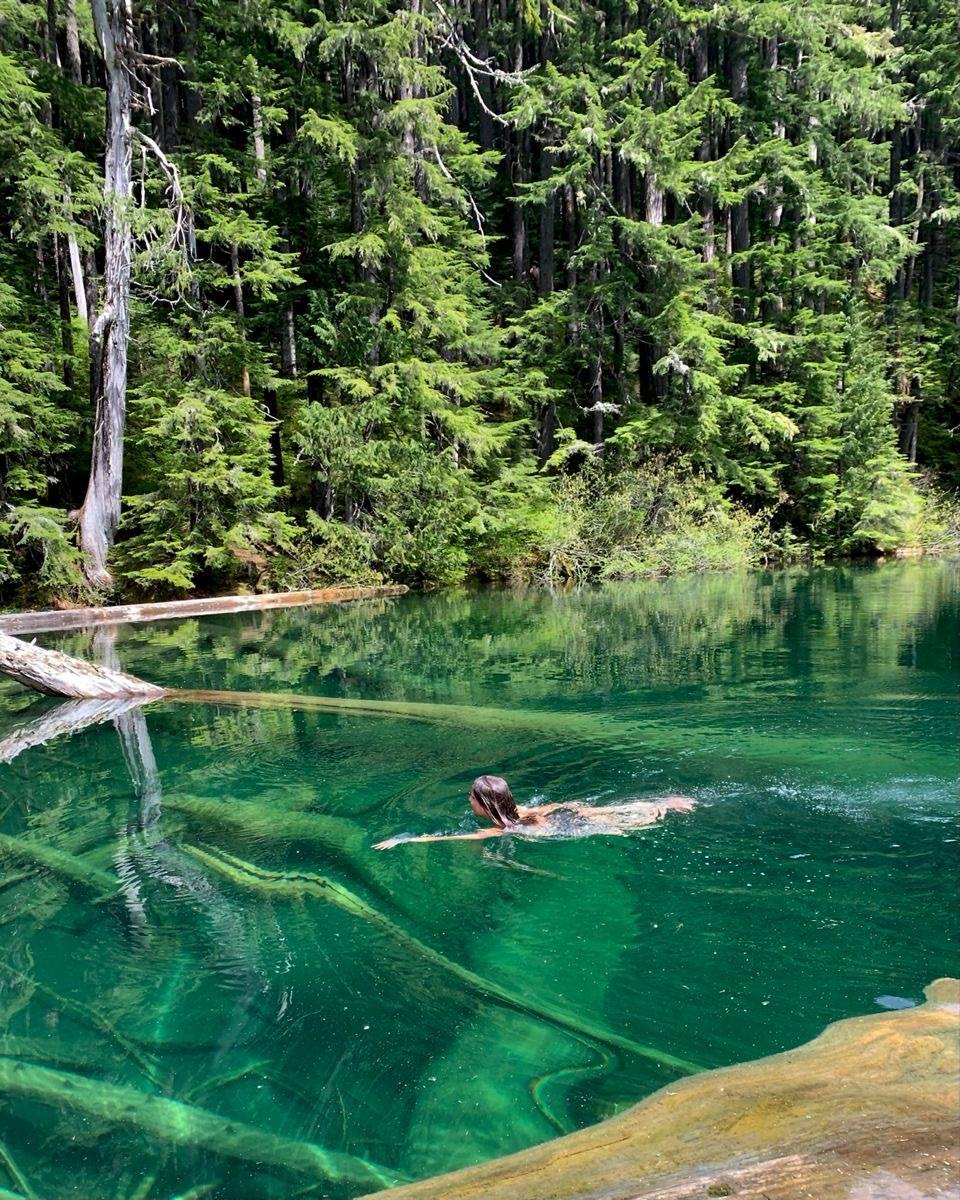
(56, 619)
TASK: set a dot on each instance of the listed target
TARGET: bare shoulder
(679, 803)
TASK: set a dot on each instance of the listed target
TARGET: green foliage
(36, 545)
(630, 519)
(323, 553)
(208, 514)
(425, 293)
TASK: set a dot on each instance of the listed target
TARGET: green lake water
(166, 923)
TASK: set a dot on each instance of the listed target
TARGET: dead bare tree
(110, 334)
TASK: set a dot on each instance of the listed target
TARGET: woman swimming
(492, 800)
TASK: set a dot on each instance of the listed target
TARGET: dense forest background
(520, 289)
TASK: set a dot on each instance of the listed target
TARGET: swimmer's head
(490, 797)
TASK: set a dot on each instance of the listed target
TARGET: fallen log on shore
(172, 610)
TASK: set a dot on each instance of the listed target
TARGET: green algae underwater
(211, 986)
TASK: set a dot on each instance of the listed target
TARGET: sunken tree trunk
(111, 333)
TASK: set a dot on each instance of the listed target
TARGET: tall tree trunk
(73, 42)
(520, 141)
(570, 221)
(596, 397)
(241, 314)
(740, 213)
(111, 333)
(519, 213)
(545, 278)
(169, 42)
(80, 285)
(63, 296)
(701, 69)
(546, 442)
(907, 438)
(259, 144)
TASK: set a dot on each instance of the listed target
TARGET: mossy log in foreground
(179, 1124)
(869, 1110)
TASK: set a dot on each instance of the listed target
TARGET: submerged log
(57, 674)
(180, 1124)
(868, 1109)
(59, 863)
(294, 886)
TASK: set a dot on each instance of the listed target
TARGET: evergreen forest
(294, 293)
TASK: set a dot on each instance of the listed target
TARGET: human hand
(390, 842)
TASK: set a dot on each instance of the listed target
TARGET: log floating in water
(58, 674)
(184, 1125)
(115, 614)
(867, 1109)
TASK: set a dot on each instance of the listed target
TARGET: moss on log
(280, 884)
(58, 862)
(869, 1109)
(181, 1124)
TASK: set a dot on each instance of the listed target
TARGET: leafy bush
(629, 519)
(37, 546)
(321, 554)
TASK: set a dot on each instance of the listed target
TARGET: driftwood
(172, 610)
(869, 1109)
(57, 674)
(181, 1124)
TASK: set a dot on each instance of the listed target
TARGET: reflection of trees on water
(144, 851)
(462, 647)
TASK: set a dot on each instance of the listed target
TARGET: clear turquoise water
(812, 713)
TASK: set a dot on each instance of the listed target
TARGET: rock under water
(869, 1110)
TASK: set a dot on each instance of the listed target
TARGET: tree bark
(739, 213)
(63, 296)
(57, 674)
(241, 314)
(111, 333)
(79, 283)
(907, 437)
(259, 145)
(545, 279)
(519, 212)
(73, 42)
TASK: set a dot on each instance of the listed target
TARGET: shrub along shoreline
(608, 520)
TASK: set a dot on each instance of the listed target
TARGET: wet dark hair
(495, 798)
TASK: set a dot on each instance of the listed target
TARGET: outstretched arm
(389, 843)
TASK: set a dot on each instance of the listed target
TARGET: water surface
(812, 713)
